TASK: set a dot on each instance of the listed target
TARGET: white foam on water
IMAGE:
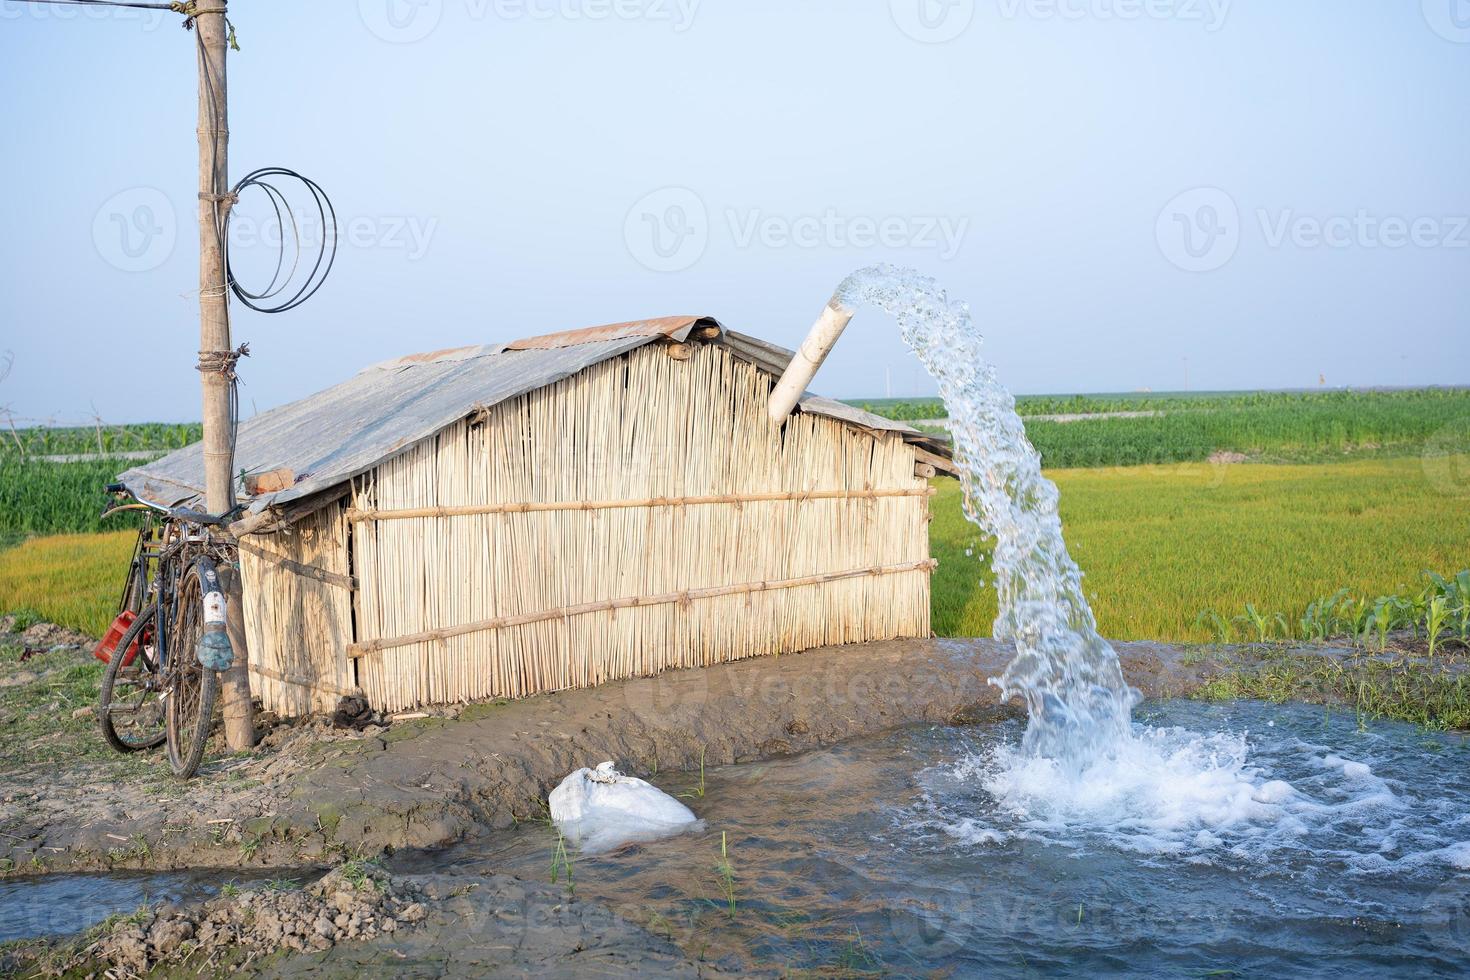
(1083, 773)
(1269, 801)
(1162, 791)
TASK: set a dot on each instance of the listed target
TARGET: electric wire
(105, 3)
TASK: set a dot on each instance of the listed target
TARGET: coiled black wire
(275, 298)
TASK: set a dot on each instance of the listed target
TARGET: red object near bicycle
(105, 649)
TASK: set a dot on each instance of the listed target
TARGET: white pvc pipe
(808, 358)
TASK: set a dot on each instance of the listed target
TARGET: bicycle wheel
(130, 708)
(191, 688)
(135, 587)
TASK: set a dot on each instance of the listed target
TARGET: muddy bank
(359, 919)
(316, 796)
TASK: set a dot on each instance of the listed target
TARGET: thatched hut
(562, 511)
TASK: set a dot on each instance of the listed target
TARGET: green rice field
(1162, 533)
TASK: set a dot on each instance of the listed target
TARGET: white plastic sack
(601, 809)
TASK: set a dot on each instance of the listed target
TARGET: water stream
(1078, 703)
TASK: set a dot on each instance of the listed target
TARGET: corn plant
(1256, 621)
(1388, 612)
(1436, 613)
(1217, 624)
(1462, 592)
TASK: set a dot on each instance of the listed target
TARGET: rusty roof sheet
(334, 435)
(672, 327)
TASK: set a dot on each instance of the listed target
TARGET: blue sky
(1262, 193)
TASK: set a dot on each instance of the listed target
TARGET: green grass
(918, 409)
(51, 498)
(1265, 426)
(37, 701)
(1160, 544)
(101, 439)
(73, 580)
(1403, 688)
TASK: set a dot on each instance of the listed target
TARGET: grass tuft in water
(726, 872)
(697, 793)
(561, 865)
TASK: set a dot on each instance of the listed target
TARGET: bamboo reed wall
(298, 626)
(836, 552)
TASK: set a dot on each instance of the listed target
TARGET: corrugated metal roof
(672, 327)
(344, 431)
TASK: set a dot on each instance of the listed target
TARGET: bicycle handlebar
(179, 513)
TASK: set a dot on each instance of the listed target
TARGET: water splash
(1078, 703)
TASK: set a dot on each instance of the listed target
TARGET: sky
(1130, 194)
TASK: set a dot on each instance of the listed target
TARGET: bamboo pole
(214, 323)
(214, 341)
(237, 711)
(532, 507)
(630, 602)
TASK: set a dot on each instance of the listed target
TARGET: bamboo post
(214, 322)
(215, 364)
(237, 708)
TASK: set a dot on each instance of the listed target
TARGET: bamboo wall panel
(636, 427)
(299, 627)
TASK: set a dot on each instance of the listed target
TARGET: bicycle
(156, 689)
